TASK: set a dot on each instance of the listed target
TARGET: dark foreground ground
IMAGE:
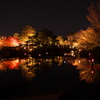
(37, 97)
(22, 92)
(81, 91)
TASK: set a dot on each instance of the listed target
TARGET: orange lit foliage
(90, 76)
(9, 65)
(2, 39)
(88, 38)
(11, 41)
(1, 43)
(60, 40)
(13, 64)
(28, 32)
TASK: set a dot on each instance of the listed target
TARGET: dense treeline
(86, 40)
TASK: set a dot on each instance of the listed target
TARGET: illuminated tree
(70, 39)
(11, 41)
(88, 38)
(90, 77)
(16, 35)
(42, 38)
(13, 64)
(60, 40)
(28, 31)
(2, 40)
(94, 14)
(46, 37)
(86, 72)
(28, 69)
(27, 34)
(23, 39)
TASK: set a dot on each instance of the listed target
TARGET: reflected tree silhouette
(86, 72)
(29, 66)
(90, 77)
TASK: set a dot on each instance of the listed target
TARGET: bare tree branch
(94, 14)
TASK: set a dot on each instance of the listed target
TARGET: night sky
(59, 16)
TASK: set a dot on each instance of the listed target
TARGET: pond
(30, 76)
(35, 76)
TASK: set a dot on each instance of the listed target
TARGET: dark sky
(59, 16)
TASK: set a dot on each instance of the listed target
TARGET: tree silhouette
(88, 38)
(94, 14)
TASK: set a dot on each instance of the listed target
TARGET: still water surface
(33, 76)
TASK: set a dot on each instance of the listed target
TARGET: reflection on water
(9, 64)
(31, 76)
(45, 75)
(88, 70)
(29, 65)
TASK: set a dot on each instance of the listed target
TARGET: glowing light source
(73, 55)
(24, 53)
(39, 55)
(89, 54)
(72, 52)
(65, 54)
(92, 60)
(64, 61)
(39, 63)
(79, 61)
(46, 59)
(92, 71)
(46, 53)
(24, 47)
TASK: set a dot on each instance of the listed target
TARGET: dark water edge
(82, 91)
(49, 80)
(8, 91)
(62, 80)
